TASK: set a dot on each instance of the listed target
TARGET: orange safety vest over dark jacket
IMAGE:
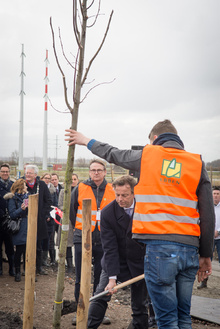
(166, 199)
(85, 192)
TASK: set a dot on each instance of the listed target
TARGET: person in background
(5, 186)
(101, 193)
(75, 181)
(46, 177)
(216, 200)
(69, 255)
(173, 216)
(59, 188)
(18, 208)
(25, 165)
(35, 185)
(123, 257)
(56, 184)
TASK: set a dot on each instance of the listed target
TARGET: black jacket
(4, 188)
(44, 207)
(123, 256)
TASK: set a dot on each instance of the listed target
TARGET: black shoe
(40, 271)
(18, 277)
(106, 320)
(152, 322)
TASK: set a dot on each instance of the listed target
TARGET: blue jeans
(170, 271)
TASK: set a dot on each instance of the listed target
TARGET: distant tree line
(214, 165)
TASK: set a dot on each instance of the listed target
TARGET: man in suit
(123, 257)
(56, 184)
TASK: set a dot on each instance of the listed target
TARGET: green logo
(171, 168)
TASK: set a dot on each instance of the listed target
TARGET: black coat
(44, 207)
(3, 202)
(123, 256)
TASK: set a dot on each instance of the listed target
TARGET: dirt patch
(12, 299)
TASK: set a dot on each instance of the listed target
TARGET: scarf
(166, 137)
(5, 182)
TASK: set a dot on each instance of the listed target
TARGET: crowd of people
(14, 201)
(163, 226)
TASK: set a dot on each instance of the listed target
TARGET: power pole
(22, 93)
(45, 115)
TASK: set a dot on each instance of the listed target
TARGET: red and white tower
(45, 115)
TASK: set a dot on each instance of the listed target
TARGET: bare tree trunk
(68, 181)
(79, 80)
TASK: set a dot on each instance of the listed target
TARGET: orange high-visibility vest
(166, 200)
(85, 192)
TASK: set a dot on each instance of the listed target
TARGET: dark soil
(12, 299)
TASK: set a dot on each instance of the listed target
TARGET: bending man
(123, 257)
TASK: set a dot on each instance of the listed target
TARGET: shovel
(70, 306)
(119, 286)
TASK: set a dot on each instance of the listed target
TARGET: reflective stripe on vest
(85, 192)
(166, 200)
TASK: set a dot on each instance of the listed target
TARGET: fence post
(83, 303)
(30, 262)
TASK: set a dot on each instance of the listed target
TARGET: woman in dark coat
(50, 222)
(18, 207)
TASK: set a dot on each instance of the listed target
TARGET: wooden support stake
(30, 262)
(83, 303)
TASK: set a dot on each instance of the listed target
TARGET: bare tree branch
(58, 64)
(64, 55)
(102, 83)
(63, 112)
(96, 54)
(96, 16)
(81, 8)
(75, 28)
(90, 4)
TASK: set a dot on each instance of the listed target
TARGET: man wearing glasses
(5, 186)
(101, 193)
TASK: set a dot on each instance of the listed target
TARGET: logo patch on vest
(171, 168)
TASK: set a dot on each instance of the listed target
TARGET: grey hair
(33, 167)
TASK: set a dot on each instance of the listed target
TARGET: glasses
(4, 172)
(46, 177)
(98, 171)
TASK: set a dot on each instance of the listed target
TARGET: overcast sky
(164, 56)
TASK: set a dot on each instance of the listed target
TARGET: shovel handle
(119, 286)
